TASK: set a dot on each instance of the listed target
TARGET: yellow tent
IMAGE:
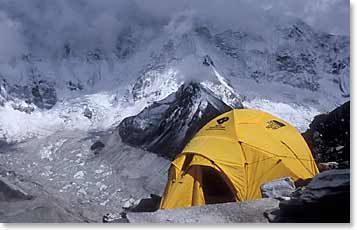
(232, 156)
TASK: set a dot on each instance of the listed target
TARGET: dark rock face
(3, 91)
(74, 86)
(166, 126)
(326, 199)
(40, 93)
(329, 136)
(44, 95)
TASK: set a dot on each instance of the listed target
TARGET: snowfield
(16, 126)
(299, 116)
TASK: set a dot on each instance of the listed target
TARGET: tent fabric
(247, 148)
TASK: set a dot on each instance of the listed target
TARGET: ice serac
(166, 126)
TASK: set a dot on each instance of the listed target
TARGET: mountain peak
(167, 125)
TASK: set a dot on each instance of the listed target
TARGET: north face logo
(222, 120)
(273, 124)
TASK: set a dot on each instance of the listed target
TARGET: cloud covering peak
(45, 27)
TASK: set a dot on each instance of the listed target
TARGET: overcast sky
(48, 24)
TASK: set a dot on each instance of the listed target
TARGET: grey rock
(97, 145)
(115, 218)
(279, 188)
(130, 203)
(150, 204)
(88, 113)
(10, 192)
(327, 166)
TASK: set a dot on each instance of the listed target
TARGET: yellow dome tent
(232, 156)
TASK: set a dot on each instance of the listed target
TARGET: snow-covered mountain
(91, 90)
(292, 71)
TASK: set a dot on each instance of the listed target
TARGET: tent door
(215, 189)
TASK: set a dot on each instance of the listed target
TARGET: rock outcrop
(23, 97)
(43, 94)
(329, 136)
(278, 189)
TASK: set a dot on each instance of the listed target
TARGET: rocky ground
(244, 212)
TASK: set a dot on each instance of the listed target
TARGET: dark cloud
(331, 16)
(44, 27)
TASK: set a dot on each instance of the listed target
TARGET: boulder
(97, 147)
(166, 126)
(150, 204)
(326, 199)
(10, 192)
(88, 113)
(278, 189)
(327, 166)
(131, 203)
(115, 218)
